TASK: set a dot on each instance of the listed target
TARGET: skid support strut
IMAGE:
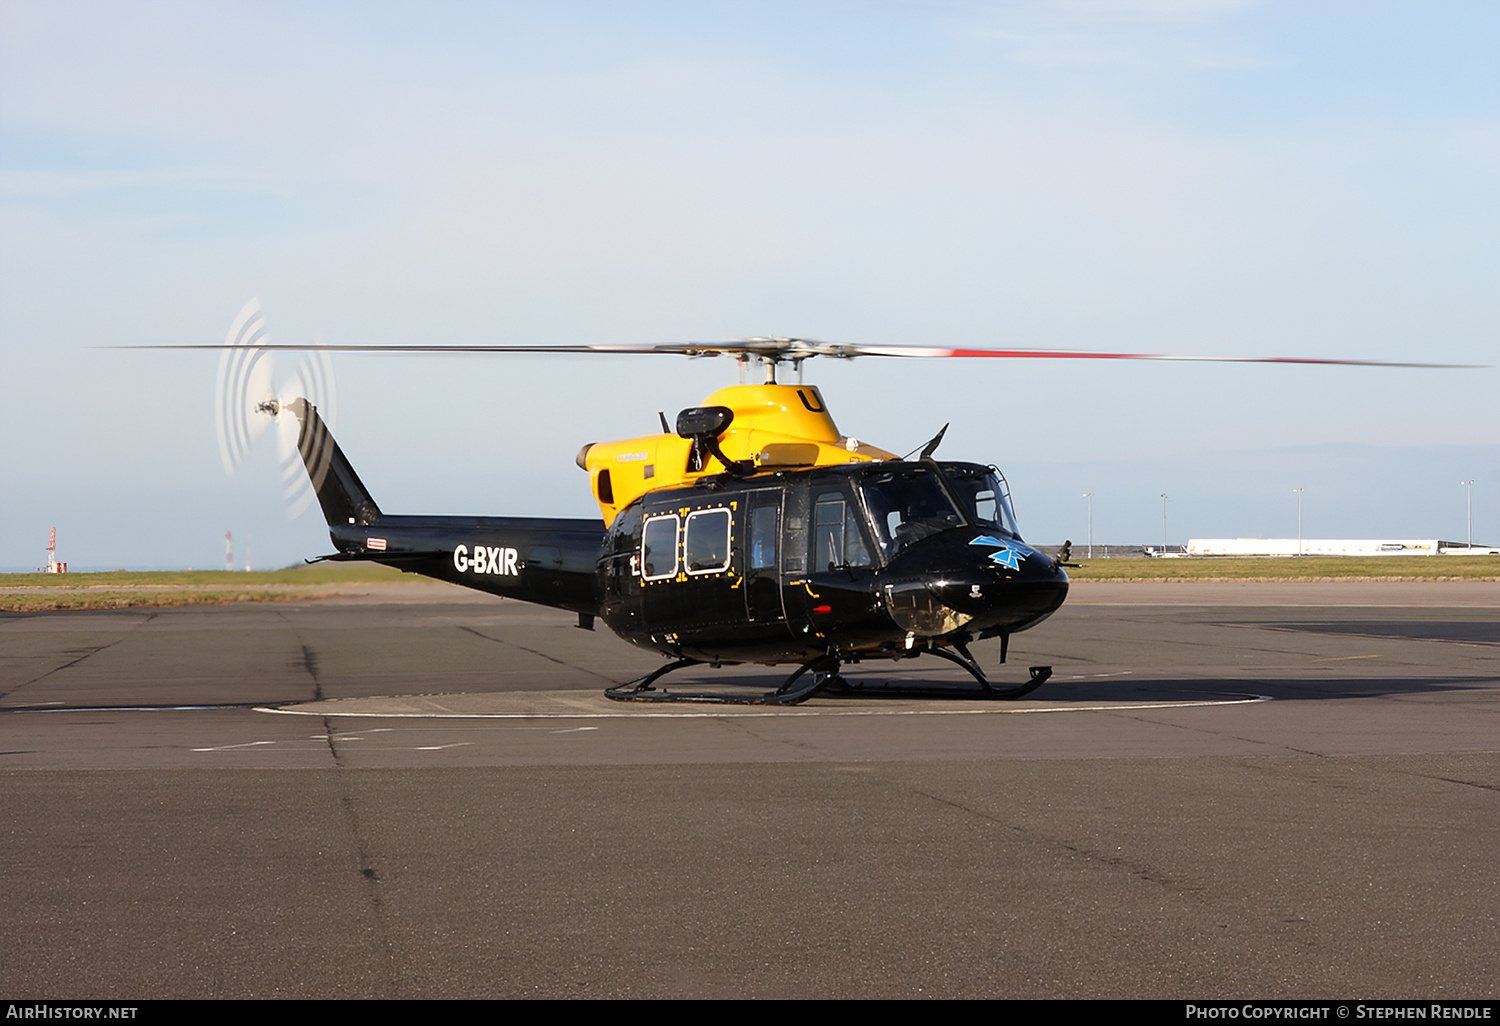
(1039, 674)
(826, 676)
(825, 671)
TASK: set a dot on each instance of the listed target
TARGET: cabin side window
(707, 545)
(763, 537)
(659, 548)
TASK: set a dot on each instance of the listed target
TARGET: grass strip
(1292, 568)
(311, 574)
(41, 601)
(122, 589)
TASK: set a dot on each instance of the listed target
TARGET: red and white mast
(53, 566)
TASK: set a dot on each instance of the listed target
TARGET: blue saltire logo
(1007, 557)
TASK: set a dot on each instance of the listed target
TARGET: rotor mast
(768, 351)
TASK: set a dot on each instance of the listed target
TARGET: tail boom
(552, 562)
(544, 560)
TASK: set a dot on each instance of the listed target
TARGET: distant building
(1334, 547)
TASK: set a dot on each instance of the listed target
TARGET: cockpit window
(907, 505)
(982, 493)
(837, 538)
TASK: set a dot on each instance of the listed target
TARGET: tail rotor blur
(250, 397)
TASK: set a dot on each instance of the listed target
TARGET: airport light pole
(1469, 485)
(1164, 523)
(1299, 520)
(1090, 496)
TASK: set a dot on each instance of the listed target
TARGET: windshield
(982, 493)
(906, 505)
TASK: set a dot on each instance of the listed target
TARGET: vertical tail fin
(339, 489)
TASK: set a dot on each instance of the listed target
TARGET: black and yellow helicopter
(755, 532)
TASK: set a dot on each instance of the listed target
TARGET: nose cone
(980, 583)
(1005, 584)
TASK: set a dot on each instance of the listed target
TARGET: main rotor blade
(779, 350)
(1070, 354)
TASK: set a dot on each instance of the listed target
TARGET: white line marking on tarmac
(225, 748)
(721, 712)
(439, 748)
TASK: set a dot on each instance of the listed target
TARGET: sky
(1207, 178)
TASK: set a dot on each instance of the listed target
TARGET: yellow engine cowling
(776, 427)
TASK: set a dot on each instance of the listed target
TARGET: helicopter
(750, 531)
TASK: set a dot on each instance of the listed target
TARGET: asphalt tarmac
(1226, 791)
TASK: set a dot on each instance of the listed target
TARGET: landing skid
(825, 670)
(826, 677)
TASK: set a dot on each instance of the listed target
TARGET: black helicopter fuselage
(784, 566)
(787, 566)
